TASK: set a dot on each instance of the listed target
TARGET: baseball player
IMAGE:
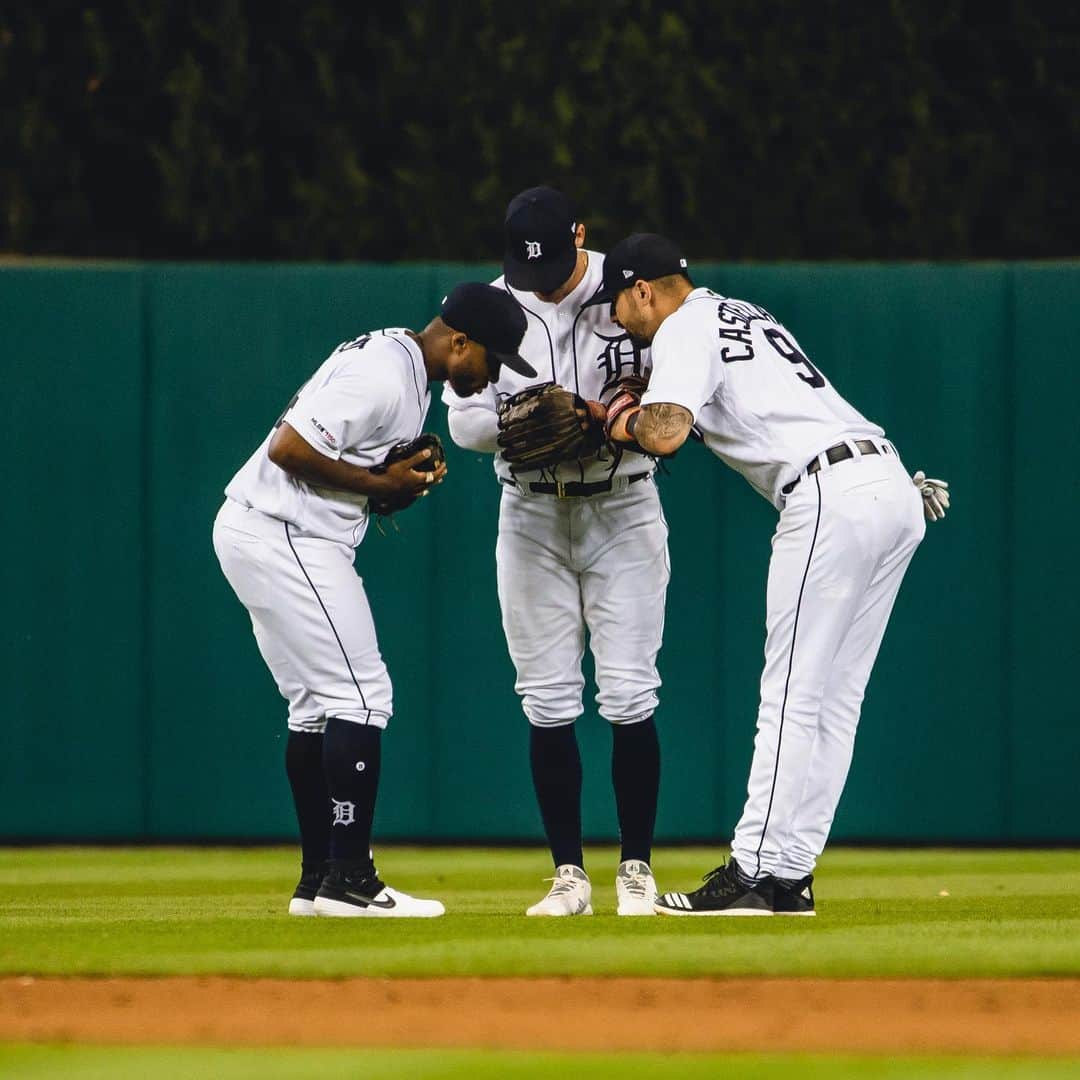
(582, 548)
(850, 520)
(286, 537)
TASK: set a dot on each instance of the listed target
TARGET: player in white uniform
(286, 537)
(850, 520)
(581, 548)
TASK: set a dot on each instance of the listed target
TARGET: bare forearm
(290, 452)
(658, 429)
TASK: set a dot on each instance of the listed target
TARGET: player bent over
(582, 549)
(850, 520)
(286, 537)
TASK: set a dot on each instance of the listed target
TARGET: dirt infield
(1018, 1016)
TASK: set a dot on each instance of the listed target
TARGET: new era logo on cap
(628, 273)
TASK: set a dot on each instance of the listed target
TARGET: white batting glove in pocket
(935, 495)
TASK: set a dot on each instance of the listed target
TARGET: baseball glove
(384, 505)
(544, 425)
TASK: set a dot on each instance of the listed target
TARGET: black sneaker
(346, 893)
(794, 897)
(303, 897)
(722, 894)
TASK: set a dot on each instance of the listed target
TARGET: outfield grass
(99, 1063)
(198, 911)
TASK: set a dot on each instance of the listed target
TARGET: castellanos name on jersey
(579, 348)
(369, 394)
(761, 405)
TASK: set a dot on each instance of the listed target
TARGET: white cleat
(570, 894)
(299, 906)
(635, 888)
(344, 896)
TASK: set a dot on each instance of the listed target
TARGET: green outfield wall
(137, 706)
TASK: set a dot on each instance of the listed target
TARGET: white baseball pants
(843, 542)
(566, 565)
(310, 616)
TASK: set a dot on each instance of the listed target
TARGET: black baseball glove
(383, 505)
(544, 425)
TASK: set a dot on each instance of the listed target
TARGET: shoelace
(718, 881)
(561, 886)
(637, 885)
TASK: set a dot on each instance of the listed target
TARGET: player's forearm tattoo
(666, 420)
(659, 424)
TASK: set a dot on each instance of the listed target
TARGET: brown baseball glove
(544, 425)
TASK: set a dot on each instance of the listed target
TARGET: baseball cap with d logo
(540, 251)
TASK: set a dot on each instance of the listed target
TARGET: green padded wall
(1042, 580)
(76, 723)
(141, 709)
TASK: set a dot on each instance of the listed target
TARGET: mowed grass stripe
(98, 1063)
(102, 911)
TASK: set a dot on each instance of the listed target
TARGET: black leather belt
(839, 452)
(576, 489)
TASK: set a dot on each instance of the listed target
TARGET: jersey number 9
(791, 353)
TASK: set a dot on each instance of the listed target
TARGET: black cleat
(303, 897)
(722, 894)
(794, 897)
(352, 893)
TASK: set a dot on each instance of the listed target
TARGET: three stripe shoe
(635, 888)
(724, 893)
(360, 894)
(793, 897)
(303, 897)
(570, 893)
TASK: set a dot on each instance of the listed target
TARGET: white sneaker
(351, 897)
(635, 888)
(570, 893)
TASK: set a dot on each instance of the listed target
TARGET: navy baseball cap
(491, 317)
(540, 250)
(640, 257)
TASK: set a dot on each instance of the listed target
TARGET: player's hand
(412, 477)
(935, 495)
(597, 412)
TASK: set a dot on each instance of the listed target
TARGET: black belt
(839, 452)
(575, 489)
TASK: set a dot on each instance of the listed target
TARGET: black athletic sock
(746, 880)
(352, 755)
(304, 767)
(556, 773)
(635, 775)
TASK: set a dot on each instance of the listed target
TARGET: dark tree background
(776, 129)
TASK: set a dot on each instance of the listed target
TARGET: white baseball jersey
(579, 348)
(761, 405)
(845, 537)
(369, 394)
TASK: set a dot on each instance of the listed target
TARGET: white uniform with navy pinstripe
(846, 534)
(570, 565)
(287, 547)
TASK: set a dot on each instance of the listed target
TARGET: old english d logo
(532, 249)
